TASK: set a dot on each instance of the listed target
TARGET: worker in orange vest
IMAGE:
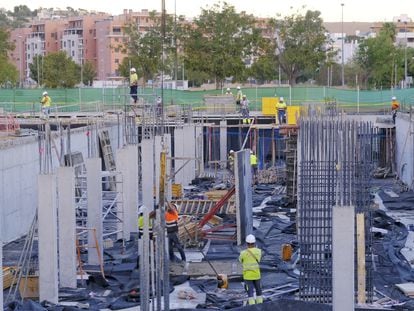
(395, 105)
(171, 223)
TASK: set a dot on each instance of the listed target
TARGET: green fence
(100, 99)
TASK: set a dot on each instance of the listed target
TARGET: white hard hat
(133, 69)
(238, 87)
(44, 93)
(228, 89)
(281, 99)
(250, 239)
(244, 95)
(251, 151)
(393, 98)
(231, 151)
(141, 209)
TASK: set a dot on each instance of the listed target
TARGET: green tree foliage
(9, 75)
(219, 43)
(21, 15)
(88, 74)
(380, 59)
(59, 71)
(145, 50)
(8, 72)
(36, 69)
(301, 44)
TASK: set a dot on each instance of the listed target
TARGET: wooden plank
(360, 218)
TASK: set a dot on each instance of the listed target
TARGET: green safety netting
(100, 99)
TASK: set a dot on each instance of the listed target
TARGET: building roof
(350, 28)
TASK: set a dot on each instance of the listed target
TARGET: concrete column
(158, 149)
(67, 227)
(223, 143)
(147, 166)
(184, 147)
(244, 201)
(127, 165)
(47, 231)
(199, 149)
(343, 250)
(167, 144)
(94, 223)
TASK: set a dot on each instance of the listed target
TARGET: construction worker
(228, 91)
(158, 108)
(239, 96)
(46, 102)
(133, 84)
(151, 217)
(281, 111)
(395, 105)
(171, 223)
(250, 259)
(244, 109)
(231, 161)
(253, 163)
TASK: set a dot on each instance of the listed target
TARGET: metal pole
(405, 55)
(20, 60)
(342, 50)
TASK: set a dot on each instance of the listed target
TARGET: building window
(116, 40)
(73, 43)
(64, 44)
(116, 61)
(73, 53)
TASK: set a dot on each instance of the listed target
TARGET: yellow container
(176, 190)
(293, 113)
(286, 252)
(269, 105)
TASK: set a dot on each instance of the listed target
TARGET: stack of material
(177, 191)
(9, 276)
(217, 195)
(188, 231)
(271, 175)
(407, 289)
(221, 104)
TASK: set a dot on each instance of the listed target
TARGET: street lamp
(405, 55)
(342, 50)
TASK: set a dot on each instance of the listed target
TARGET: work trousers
(281, 116)
(254, 284)
(134, 92)
(173, 241)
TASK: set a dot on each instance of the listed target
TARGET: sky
(353, 10)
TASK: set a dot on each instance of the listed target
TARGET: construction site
(330, 205)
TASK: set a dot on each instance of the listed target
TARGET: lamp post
(342, 49)
(405, 55)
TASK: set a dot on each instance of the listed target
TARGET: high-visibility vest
(281, 106)
(250, 259)
(141, 226)
(46, 101)
(253, 159)
(133, 79)
(395, 105)
(171, 221)
(239, 95)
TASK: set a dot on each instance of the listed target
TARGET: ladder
(202, 207)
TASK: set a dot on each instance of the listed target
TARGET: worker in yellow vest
(46, 102)
(253, 163)
(133, 84)
(250, 259)
(281, 111)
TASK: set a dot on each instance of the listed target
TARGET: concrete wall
(19, 165)
(404, 149)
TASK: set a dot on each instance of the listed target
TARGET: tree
(88, 74)
(60, 71)
(380, 60)
(220, 42)
(145, 50)
(21, 15)
(8, 72)
(301, 44)
(36, 69)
